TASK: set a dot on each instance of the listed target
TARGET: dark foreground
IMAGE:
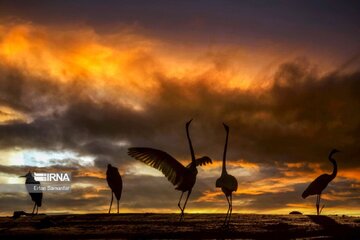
(167, 226)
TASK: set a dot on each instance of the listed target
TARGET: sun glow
(125, 61)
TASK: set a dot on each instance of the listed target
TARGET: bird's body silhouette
(182, 177)
(321, 182)
(36, 195)
(227, 182)
(115, 183)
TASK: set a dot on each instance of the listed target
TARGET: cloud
(87, 99)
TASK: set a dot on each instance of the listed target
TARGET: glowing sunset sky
(81, 81)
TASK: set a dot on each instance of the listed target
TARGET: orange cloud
(236, 164)
(210, 196)
(353, 173)
(90, 173)
(122, 67)
(70, 56)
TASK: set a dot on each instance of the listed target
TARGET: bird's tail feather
(305, 194)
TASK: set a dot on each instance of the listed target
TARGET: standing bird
(182, 177)
(32, 186)
(226, 182)
(115, 183)
(321, 182)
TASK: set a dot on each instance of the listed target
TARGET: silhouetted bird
(35, 194)
(182, 177)
(115, 183)
(321, 182)
(226, 182)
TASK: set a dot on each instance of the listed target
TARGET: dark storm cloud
(297, 120)
(17, 89)
(321, 110)
(300, 118)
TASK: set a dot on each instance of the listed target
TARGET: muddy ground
(92, 226)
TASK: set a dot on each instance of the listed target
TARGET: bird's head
(226, 127)
(188, 123)
(109, 166)
(333, 152)
(27, 175)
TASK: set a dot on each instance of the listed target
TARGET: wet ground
(92, 226)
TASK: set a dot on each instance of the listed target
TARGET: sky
(82, 81)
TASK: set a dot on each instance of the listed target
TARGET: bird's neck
(333, 161)
(224, 156)
(193, 169)
(333, 174)
(191, 147)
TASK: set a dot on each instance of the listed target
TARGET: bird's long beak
(226, 127)
(23, 176)
(188, 123)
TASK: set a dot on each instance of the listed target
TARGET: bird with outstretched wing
(182, 177)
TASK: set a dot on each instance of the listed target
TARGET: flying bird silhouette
(115, 183)
(227, 182)
(321, 182)
(36, 195)
(182, 177)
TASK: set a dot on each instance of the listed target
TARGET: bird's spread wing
(160, 160)
(201, 161)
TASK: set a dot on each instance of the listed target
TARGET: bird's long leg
(33, 208)
(180, 201)
(230, 208)
(112, 196)
(227, 213)
(37, 209)
(317, 203)
(118, 206)
(183, 209)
